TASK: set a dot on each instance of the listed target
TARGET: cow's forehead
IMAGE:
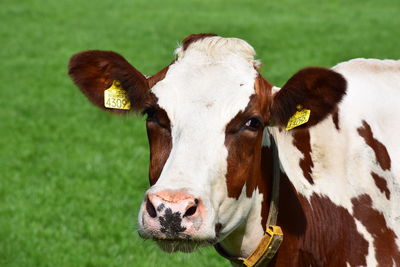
(211, 80)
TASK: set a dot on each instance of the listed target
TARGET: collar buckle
(267, 248)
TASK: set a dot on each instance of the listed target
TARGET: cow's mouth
(183, 245)
(170, 243)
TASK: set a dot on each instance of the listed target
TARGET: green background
(72, 176)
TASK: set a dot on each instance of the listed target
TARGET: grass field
(71, 176)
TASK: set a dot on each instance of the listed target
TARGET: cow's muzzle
(171, 215)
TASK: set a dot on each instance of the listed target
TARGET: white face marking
(201, 93)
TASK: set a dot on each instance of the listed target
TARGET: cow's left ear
(316, 89)
(95, 71)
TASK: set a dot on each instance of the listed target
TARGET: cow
(239, 164)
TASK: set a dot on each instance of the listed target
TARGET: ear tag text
(116, 97)
(301, 116)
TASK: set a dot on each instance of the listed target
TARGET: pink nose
(172, 213)
(182, 203)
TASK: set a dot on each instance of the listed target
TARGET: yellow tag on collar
(266, 249)
(301, 116)
(116, 97)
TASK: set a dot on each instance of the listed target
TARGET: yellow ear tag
(301, 116)
(116, 97)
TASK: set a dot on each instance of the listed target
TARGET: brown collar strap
(273, 236)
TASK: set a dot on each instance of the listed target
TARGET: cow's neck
(294, 207)
(292, 218)
(308, 207)
(245, 238)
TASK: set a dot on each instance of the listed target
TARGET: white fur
(245, 236)
(197, 94)
(370, 259)
(342, 160)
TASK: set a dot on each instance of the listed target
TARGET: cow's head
(206, 114)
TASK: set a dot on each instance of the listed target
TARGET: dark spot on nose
(150, 209)
(171, 223)
(160, 207)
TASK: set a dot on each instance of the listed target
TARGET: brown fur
(243, 160)
(159, 76)
(160, 141)
(381, 183)
(301, 140)
(194, 38)
(335, 118)
(314, 232)
(94, 71)
(313, 229)
(386, 250)
(381, 153)
(264, 182)
(317, 89)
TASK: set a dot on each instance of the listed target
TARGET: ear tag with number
(116, 97)
(301, 116)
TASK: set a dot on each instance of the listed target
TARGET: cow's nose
(179, 203)
(172, 214)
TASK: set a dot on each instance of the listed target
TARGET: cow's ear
(95, 71)
(318, 90)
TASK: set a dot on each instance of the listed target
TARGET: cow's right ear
(316, 90)
(95, 71)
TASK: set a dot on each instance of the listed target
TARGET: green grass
(71, 176)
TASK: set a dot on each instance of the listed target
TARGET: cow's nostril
(190, 211)
(150, 209)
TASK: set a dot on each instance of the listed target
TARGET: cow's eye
(253, 124)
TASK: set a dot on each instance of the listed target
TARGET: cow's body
(211, 160)
(346, 174)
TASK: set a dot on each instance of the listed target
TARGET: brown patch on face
(244, 145)
(335, 118)
(381, 183)
(94, 71)
(194, 38)
(158, 130)
(244, 154)
(263, 89)
(386, 250)
(160, 141)
(381, 154)
(301, 140)
(317, 89)
(317, 232)
(154, 79)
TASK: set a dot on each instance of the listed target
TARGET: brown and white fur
(209, 117)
